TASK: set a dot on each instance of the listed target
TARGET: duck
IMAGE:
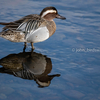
(32, 28)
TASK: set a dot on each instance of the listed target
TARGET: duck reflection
(29, 65)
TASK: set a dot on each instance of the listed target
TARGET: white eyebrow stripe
(48, 11)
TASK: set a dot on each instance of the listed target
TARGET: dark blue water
(74, 50)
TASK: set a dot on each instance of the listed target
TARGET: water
(74, 51)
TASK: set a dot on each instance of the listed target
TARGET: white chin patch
(48, 11)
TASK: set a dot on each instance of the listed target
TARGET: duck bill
(60, 17)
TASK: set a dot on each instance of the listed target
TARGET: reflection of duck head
(44, 81)
(30, 66)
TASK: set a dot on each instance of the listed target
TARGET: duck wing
(25, 24)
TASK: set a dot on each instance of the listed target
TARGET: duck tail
(3, 23)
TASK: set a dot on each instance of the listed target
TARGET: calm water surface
(74, 50)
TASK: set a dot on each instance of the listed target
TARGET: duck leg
(25, 45)
(32, 46)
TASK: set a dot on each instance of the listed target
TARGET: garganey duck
(32, 28)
